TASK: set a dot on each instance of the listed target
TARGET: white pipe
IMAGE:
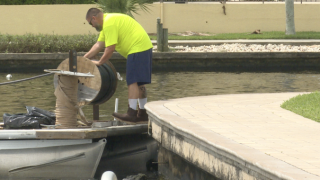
(116, 106)
(108, 175)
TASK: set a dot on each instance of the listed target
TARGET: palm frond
(128, 7)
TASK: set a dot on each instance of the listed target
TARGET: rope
(26, 79)
(66, 103)
(67, 107)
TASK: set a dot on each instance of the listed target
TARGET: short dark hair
(92, 12)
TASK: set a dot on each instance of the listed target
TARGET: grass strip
(52, 43)
(306, 105)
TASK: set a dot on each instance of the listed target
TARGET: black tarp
(30, 120)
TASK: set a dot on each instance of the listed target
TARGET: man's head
(95, 18)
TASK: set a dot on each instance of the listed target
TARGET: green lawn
(306, 105)
(232, 36)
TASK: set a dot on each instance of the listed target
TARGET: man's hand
(106, 55)
(96, 48)
(96, 62)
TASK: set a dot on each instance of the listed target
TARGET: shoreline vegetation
(52, 43)
(306, 105)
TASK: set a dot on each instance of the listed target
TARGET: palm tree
(124, 6)
(290, 27)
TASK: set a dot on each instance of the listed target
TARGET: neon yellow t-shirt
(125, 32)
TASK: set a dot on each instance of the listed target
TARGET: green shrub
(44, 43)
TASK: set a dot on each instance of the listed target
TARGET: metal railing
(230, 1)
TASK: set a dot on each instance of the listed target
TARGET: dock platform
(79, 133)
(240, 136)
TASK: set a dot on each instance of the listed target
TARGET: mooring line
(26, 79)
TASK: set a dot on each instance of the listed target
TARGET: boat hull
(49, 159)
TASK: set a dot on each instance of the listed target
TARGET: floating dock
(240, 137)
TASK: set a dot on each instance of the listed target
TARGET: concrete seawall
(235, 137)
(182, 61)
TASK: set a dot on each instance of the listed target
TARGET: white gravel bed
(247, 48)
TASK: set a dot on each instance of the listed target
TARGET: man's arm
(106, 55)
(96, 48)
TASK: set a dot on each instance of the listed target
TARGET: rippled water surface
(165, 85)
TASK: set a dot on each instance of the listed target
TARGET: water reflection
(169, 85)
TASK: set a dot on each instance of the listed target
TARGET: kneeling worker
(122, 33)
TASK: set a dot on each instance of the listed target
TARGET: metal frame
(73, 68)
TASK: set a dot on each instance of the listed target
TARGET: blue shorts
(139, 68)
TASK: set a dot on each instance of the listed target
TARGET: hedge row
(44, 43)
(34, 2)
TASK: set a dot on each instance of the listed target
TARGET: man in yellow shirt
(122, 33)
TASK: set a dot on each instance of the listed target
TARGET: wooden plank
(88, 133)
(71, 133)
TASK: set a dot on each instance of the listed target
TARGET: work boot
(142, 116)
(129, 118)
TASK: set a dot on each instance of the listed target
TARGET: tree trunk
(290, 27)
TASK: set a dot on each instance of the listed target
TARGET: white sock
(133, 103)
(142, 102)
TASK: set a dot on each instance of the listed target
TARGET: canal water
(165, 85)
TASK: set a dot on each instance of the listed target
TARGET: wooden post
(165, 40)
(159, 36)
(73, 60)
(95, 112)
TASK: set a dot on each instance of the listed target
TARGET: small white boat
(56, 153)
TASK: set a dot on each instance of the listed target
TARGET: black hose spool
(109, 83)
(96, 90)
